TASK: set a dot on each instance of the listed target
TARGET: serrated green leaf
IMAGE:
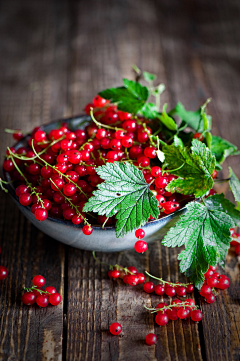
(221, 148)
(130, 98)
(220, 203)
(149, 111)
(194, 167)
(166, 119)
(234, 185)
(205, 233)
(193, 119)
(177, 141)
(124, 193)
(149, 77)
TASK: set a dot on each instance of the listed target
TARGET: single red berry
(190, 288)
(125, 278)
(159, 290)
(132, 269)
(151, 339)
(21, 189)
(156, 171)
(29, 298)
(69, 189)
(210, 298)
(214, 268)
(127, 141)
(132, 280)
(99, 102)
(161, 182)
(150, 152)
(141, 246)
(148, 287)
(124, 115)
(38, 281)
(170, 291)
(55, 299)
(212, 281)
(161, 200)
(141, 278)
(205, 290)
(198, 136)
(3, 272)
(40, 136)
(224, 282)
(51, 290)
(42, 300)
(87, 230)
(196, 315)
(25, 199)
(115, 273)
(8, 165)
(115, 328)
(41, 214)
(161, 305)
(190, 302)
(181, 291)
(139, 233)
(161, 319)
(209, 273)
(77, 219)
(17, 135)
(183, 313)
(143, 161)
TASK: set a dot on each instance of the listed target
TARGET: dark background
(54, 57)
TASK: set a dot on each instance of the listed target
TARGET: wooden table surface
(55, 56)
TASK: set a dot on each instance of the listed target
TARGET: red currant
(55, 299)
(42, 300)
(29, 298)
(148, 287)
(170, 291)
(3, 272)
(196, 315)
(141, 246)
(41, 214)
(139, 233)
(87, 230)
(159, 290)
(51, 290)
(38, 281)
(115, 328)
(161, 319)
(151, 339)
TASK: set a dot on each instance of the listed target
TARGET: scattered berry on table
(115, 328)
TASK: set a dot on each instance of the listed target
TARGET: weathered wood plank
(33, 45)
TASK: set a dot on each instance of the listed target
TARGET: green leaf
(194, 167)
(149, 111)
(220, 203)
(166, 119)
(177, 141)
(205, 233)
(221, 148)
(158, 90)
(193, 119)
(149, 77)
(124, 193)
(234, 185)
(130, 98)
(238, 206)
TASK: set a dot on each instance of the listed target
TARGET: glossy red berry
(21, 189)
(196, 315)
(159, 290)
(212, 281)
(170, 291)
(161, 182)
(38, 281)
(190, 288)
(115, 328)
(25, 199)
(51, 290)
(224, 282)
(127, 141)
(8, 165)
(115, 273)
(205, 290)
(139, 233)
(172, 314)
(132, 269)
(3, 272)
(181, 291)
(156, 171)
(198, 136)
(151, 339)
(42, 300)
(210, 298)
(141, 278)
(99, 102)
(29, 298)
(237, 249)
(148, 287)
(209, 273)
(183, 313)
(55, 299)
(161, 319)
(87, 230)
(101, 133)
(150, 152)
(132, 280)
(143, 161)
(41, 214)
(141, 246)
(40, 136)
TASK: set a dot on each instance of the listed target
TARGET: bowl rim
(11, 189)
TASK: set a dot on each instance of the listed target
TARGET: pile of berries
(213, 280)
(177, 309)
(40, 296)
(56, 174)
(3, 271)
(235, 241)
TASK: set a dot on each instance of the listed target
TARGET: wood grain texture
(55, 57)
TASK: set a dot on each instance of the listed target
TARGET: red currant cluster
(168, 288)
(3, 271)
(36, 294)
(129, 275)
(213, 280)
(235, 241)
(176, 309)
(140, 246)
(56, 173)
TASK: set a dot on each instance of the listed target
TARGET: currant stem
(169, 283)
(172, 305)
(100, 125)
(36, 289)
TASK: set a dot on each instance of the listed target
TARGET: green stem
(169, 283)
(36, 289)
(100, 125)
(172, 305)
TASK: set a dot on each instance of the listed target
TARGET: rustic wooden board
(56, 57)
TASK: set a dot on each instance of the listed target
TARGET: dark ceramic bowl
(101, 240)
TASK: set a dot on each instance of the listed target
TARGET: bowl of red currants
(51, 173)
